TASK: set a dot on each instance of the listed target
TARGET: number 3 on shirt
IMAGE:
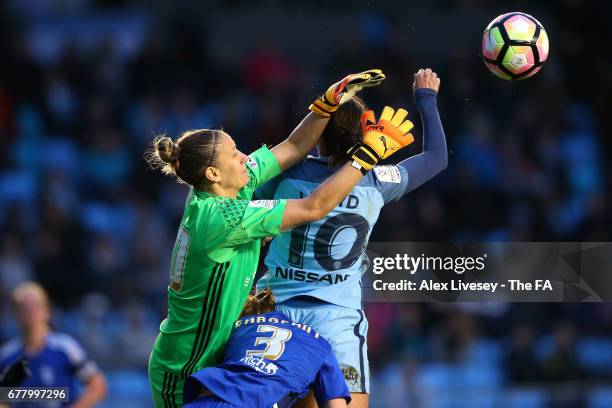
(179, 258)
(275, 344)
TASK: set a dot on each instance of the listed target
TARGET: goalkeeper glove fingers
(381, 139)
(15, 374)
(345, 89)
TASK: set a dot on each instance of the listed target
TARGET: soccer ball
(514, 46)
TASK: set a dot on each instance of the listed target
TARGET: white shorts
(346, 331)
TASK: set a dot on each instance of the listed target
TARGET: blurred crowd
(86, 84)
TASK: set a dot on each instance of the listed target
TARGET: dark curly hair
(258, 303)
(343, 130)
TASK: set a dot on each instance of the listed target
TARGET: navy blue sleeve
(329, 382)
(268, 189)
(434, 159)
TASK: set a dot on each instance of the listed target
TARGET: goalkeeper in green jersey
(217, 246)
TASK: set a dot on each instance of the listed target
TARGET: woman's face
(230, 163)
(32, 310)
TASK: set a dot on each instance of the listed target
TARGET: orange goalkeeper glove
(341, 91)
(381, 139)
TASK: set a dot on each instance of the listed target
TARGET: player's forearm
(329, 194)
(335, 403)
(434, 159)
(433, 132)
(95, 391)
(301, 141)
(324, 199)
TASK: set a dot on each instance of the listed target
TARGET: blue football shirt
(60, 363)
(325, 259)
(271, 360)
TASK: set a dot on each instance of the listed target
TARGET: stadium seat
(595, 354)
(435, 377)
(544, 347)
(106, 219)
(600, 398)
(479, 376)
(17, 186)
(486, 351)
(449, 386)
(525, 398)
(127, 388)
(61, 154)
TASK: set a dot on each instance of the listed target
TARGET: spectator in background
(406, 333)
(563, 368)
(454, 341)
(563, 364)
(15, 267)
(521, 364)
(55, 360)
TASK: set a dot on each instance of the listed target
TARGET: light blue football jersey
(326, 258)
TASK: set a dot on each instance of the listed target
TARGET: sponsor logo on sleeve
(251, 162)
(263, 203)
(388, 174)
(351, 375)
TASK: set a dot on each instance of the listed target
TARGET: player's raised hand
(383, 138)
(426, 78)
(344, 89)
(357, 82)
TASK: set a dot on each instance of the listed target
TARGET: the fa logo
(543, 284)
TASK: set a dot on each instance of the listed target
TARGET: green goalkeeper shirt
(214, 260)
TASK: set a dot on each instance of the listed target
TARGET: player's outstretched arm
(434, 158)
(380, 140)
(325, 198)
(306, 135)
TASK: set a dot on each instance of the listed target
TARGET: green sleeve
(245, 221)
(262, 166)
(261, 218)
